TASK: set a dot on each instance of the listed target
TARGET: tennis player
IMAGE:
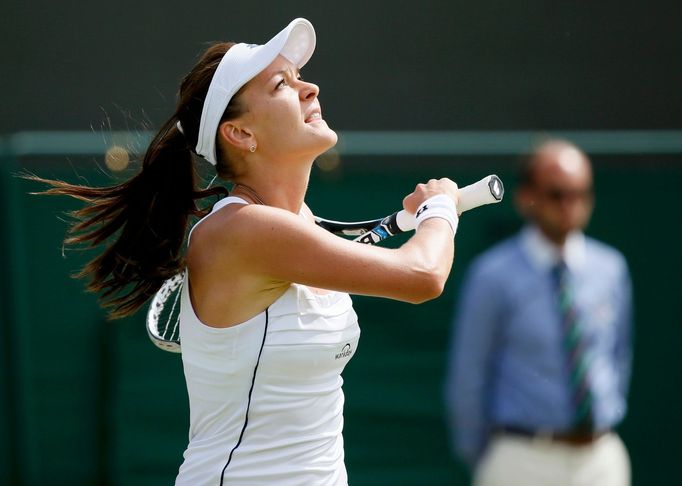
(267, 325)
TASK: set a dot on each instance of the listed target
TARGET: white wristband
(439, 206)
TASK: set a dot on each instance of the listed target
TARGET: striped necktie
(574, 344)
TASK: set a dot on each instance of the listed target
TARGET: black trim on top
(248, 403)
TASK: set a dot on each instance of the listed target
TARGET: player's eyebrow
(288, 71)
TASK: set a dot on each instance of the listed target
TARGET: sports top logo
(346, 352)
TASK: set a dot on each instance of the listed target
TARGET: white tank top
(266, 405)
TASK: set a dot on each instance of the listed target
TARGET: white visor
(243, 62)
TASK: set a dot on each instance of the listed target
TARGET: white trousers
(523, 461)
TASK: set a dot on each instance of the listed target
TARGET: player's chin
(325, 135)
(333, 137)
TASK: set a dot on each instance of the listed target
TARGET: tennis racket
(163, 316)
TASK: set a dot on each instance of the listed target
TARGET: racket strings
(172, 314)
(164, 315)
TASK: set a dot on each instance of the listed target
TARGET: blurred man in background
(540, 363)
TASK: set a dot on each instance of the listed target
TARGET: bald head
(559, 159)
(556, 189)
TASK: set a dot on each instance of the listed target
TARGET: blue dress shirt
(507, 365)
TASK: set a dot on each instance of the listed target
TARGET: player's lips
(313, 116)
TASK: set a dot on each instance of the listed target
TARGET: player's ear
(236, 134)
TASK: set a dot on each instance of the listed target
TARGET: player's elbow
(429, 285)
(429, 267)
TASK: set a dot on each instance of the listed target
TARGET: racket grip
(488, 190)
(405, 221)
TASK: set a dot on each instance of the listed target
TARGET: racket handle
(488, 190)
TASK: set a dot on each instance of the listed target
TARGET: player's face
(562, 193)
(284, 113)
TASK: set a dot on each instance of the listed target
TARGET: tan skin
(250, 254)
(560, 200)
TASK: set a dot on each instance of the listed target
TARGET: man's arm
(472, 350)
(624, 343)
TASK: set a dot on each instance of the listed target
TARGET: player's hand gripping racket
(163, 316)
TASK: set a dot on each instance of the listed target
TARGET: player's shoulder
(238, 228)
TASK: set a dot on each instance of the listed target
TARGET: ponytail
(142, 221)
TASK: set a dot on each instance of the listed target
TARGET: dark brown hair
(142, 222)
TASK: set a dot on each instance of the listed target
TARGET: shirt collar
(544, 254)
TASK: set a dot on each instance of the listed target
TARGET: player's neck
(286, 191)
